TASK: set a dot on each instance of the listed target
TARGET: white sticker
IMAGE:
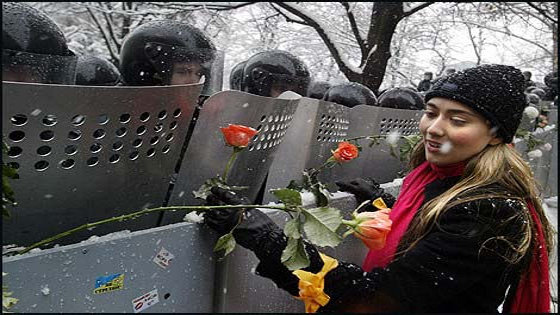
(143, 302)
(163, 258)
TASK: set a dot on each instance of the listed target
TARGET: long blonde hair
(496, 164)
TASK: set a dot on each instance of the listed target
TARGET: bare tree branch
(114, 54)
(343, 66)
(541, 11)
(110, 27)
(504, 32)
(355, 29)
(417, 8)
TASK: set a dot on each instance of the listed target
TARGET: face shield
(176, 65)
(38, 68)
(278, 83)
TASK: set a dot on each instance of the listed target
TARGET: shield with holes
(319, 126)
(88, 153)
(207, 154)
(376, 161)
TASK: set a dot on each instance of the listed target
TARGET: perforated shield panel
(207, 153)
(376, 161)
(89, 153)
(317, 129)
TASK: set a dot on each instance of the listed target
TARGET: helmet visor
(180, 65)
(38, 68)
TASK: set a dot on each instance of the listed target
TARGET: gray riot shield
(207, 154)
(77, 278)
(376, 161)
(317, 128)
(215, 82)
(88, 153)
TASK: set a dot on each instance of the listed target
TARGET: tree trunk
(554, 28)
(384, 19)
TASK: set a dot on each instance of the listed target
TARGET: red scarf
(532, 295)
(533, 290)
(409, 201)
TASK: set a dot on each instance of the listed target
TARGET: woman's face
(453, 132)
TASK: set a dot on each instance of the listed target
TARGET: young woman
(468, 231)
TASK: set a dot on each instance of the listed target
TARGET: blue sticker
(109, 283)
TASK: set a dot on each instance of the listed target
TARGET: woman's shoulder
(491, 201)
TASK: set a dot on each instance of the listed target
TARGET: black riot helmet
(34, 48)
(236, 76)
(317, 89)
(275, 71)
(540, 92)
(551, 80)
(351, 94)
(532, 98)
(152, 52)
(401, 98)
(93, 70)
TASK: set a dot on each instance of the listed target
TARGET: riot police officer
(270, 73)
(317, 89)
(93, 70)
(551, 82)
(351, 94)
(34, 48)
(528, 82)
(236, 76)
(426, 83)
(166, 53)
(401, 98)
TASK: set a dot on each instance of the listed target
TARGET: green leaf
(406, 148)
(226, 242)
(287, 196)
(294, 256)
(321, 224)
(292, 228)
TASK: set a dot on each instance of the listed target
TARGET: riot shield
(317, 128)
(376, 161)
(207, 155)
(88, 153)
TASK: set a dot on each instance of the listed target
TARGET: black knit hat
(494, 91)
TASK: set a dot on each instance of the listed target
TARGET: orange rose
(238, 135)
(373, 228)
(345, 152)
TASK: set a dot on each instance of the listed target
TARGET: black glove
(366, 189)
(258, 233)
(223, 220)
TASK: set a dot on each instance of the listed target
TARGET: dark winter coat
(457, 267)
(424, 85)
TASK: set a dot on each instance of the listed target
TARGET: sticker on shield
(109, 283)
(163, 258)
(143, 302)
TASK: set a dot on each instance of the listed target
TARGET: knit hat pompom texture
(494, 91)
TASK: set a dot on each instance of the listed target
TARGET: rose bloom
(345, 152)
(238, 135)
(374, 229)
